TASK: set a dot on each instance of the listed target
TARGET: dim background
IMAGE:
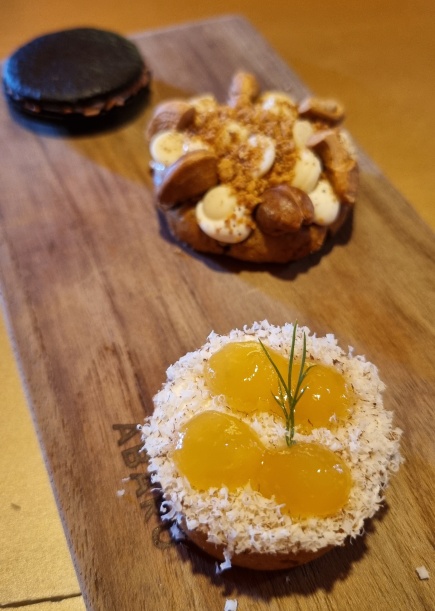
(377, 57)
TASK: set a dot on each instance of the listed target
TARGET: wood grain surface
(100, 300)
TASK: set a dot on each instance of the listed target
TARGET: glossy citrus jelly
(326, 399)
(216, 449)
(307, 478)
(242, 372)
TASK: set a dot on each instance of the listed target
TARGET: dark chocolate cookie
(81, 71)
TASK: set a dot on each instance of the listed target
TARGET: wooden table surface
(375, 60)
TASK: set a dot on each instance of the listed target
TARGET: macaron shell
(72, 66)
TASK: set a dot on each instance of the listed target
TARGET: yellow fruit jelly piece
(309, 479)
(216, 449)
(326, 399)
(242, 372)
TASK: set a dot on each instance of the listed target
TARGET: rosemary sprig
(286, 399)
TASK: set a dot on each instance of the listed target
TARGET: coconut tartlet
(241, 526)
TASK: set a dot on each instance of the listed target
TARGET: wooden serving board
(100, 300)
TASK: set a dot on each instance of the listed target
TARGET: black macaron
(84, 72)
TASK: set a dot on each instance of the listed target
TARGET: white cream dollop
(302, 131)
(167, 146)
(278, 103)
(307, 171)
(326, 203)
(220, 216)
(264, 147)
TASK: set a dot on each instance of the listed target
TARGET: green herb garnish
(286, 399)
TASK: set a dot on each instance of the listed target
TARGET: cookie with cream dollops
(260, 177)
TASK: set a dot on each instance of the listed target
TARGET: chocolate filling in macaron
(82, 71)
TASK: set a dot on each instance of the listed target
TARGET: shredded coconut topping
(244, 520)
(422, 572)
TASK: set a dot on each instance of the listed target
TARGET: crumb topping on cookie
(260, 142)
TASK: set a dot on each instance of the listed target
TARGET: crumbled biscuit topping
(259, 142)
(238, 160)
